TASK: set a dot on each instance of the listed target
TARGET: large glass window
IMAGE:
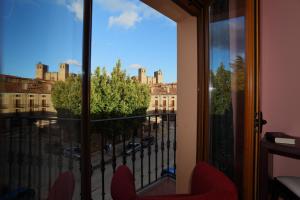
(40, 58)
(227, 86)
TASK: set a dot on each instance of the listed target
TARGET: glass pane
(227, 86)
(40, 58)
(133, 93)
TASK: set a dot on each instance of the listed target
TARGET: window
(18, 103)
(164, 103)
(172, 103)
(31, 103)
(44, 103)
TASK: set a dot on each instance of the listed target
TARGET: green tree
(221, 93)
(66, 97)
(238, 74)
(114, 95)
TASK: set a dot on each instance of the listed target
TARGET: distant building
(42, 72)
(163, 98)
(143, 78)
(23, 95)
(163, 95)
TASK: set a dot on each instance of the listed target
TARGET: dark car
(72, 152)
(147, 141)
(169, 172)
(133, 147)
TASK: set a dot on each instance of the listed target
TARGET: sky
(50, 32)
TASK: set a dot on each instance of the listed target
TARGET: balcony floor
(165, 186)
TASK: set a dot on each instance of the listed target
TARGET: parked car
(170, 172)
(133, 147)
(147, 141)
(72, 152)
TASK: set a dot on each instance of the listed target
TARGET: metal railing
(34, 150)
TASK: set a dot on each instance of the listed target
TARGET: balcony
(18, 105)
(33, 105)
(3, 106)
(34, 150)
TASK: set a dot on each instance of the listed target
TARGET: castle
(150, 80)
(42, 72)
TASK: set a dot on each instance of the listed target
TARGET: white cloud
(73, 62)
(135, 66)
(129, 12)
(125, 19)
(124, 13)
(74, 6)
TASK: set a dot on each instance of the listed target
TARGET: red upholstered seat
(208, 183)
(63, 187)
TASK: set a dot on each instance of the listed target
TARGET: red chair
(208, 183)
(63, 187)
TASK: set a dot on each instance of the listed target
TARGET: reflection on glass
(40, 50)
(227, 84)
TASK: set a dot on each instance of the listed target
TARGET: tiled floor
(163, 187)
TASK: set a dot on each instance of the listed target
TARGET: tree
(221, 94)
(238, 74)
(66, 97)
(114, 95)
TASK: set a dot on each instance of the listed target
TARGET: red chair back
(207, 178)
(63, 187)
(122, 184)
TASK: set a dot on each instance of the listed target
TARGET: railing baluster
(133, 157)
(20, 154)
(39, 160)
(168, 142)
(102, 165)
(114, 160)
(156, 147)
(60, 158)
(71, 151)
(174, 143)
(162, 144)
(11, 153)
(124, 147)
(149, 150)
(49, 154)
(30, 153)
(142, 157)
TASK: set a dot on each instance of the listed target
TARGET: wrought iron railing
(35, 150)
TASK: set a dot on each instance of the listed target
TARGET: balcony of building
(36, 149)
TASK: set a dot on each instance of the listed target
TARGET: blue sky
(50, 31)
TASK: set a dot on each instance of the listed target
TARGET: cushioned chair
(287, 187)
(207, 184)
(63, 187)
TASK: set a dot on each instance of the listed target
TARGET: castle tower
(142, 75)
(40, 71)
(158, 76)
(63, 72)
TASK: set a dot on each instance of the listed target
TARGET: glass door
(40, 84)
(227, 78)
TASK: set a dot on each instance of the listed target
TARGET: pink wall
(280, 73)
